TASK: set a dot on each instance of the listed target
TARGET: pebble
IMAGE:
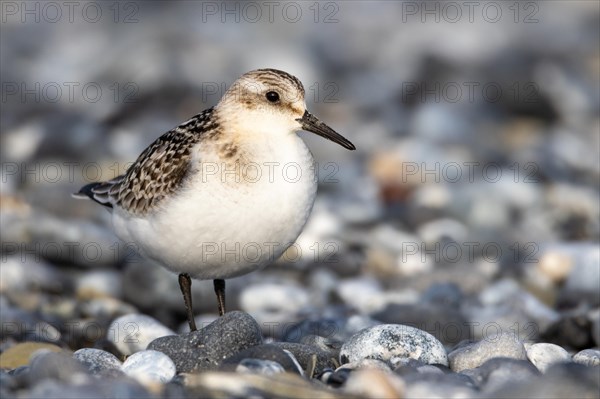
(361, 293)
(149, 366)
(584, 280)
(330, 328)
(305, 354)
(446, 294)
(406, 366)
(373, 383)
(363, 364)
(206, 348)
(355, 270)
(588, 357)
(226, 385)
(18, 274)
(474, 355)
(133, 332)
(121, 388)
(388, 341)
(97, 360)
(259, 366)
(442, 230)
(99, 283)
(498, 371)
(445, 322)
(268, 352)
(543, 355)
(94, 242)
(20, 354)
(562, 380)
(555, 265)
(105, 308)
(572, 330)
(329, 345)
(430, 385)
(284, 297)
(55, 365)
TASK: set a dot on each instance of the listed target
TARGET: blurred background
(471, 204)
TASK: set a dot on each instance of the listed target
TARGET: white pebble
(133, 332)
(149, 367)
(279, 298)
(544, 355)
(390, 341)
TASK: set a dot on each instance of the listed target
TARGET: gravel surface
(454, 254)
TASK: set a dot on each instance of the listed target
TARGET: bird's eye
(272, 96)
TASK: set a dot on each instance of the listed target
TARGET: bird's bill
(312, 124)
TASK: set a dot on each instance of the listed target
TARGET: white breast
(230, 221)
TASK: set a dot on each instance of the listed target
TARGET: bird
(226, 192)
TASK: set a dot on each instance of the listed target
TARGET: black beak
(310, 123)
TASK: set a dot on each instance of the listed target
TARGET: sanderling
(211, 198)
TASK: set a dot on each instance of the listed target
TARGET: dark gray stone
(205, 349)
(329, 345)
(443, 294)
(562, 380)
(498, 371)
(327, 328)
(572, 331)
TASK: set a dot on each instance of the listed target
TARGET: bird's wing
(158, 171)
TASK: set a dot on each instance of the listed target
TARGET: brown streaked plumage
(158, 171)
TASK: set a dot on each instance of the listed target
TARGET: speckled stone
(588, 357)
(389, 341)
(97, 360)
(206, 348)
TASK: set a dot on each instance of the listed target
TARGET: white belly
(220, 227)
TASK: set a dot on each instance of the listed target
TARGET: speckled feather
(158, 172)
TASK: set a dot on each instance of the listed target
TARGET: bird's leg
(220, 291)
(185, 283)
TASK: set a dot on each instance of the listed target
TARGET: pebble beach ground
(455, 254)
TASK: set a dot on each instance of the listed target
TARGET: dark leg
(185, 283)
(220, 291)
